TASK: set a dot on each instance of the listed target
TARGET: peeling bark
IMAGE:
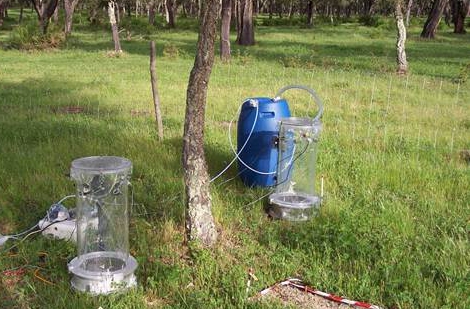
(114, 27)
(199, 220)
(401, 40)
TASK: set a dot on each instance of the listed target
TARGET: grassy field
(393, 231)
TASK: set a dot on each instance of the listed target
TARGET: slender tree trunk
(55, 16)
(20, 18)
(170, 10)
(117, 12)
(156, 97)
(246, 34)
(199, 220)
(271, 8)
(225, 30)
(291, 9)
(152, 12)
(69, 6)
(459, 13)
(3, 8)
(408, 12)
(434, 17)
(402, 64)
(310, 13)
(114, 27)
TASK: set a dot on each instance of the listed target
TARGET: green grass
(393, 231)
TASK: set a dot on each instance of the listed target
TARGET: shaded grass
(393, 229)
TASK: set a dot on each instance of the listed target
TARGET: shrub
(29, 37)
(370, 21)
(171, 51)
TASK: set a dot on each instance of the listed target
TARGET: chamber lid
(101, 165)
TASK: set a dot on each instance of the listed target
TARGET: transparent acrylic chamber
(103, 264)
(295, 198)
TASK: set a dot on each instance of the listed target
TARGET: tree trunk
(434, 17)
(225, 30)
(459, 13)
(246, 34)
(408, 12)
(114, 27)
(117, 12)
(152, 12)
(170, 12)
(20, 18)
(271, 8)
(69, 6)
(291, 9)
(156, 97)
(3, 8)
(44, 10)
(55, 16)
(402, 64)
(199, 220)
(310, 13)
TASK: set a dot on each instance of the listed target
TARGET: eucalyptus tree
(434, 17)
(245, 27)
(200, 224)
(460, 10)
(402, 63)
(44, 9)
(3, 8)
(69, 7)
(225, 30)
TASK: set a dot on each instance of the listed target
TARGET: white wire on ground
(4, 238)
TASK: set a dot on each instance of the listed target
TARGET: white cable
(4, 238)
(230, 139)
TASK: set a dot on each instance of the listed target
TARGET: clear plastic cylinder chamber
(102, 202)
(295, 197)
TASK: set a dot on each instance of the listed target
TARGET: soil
(295, 298)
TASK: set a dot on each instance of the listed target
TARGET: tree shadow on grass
(40, 139)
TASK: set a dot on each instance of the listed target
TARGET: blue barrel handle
(312, 92)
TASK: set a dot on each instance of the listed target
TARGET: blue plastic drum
(257, 162)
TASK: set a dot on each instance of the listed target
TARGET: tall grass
(394, 226)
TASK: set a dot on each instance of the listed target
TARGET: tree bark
(156, 97)
(3, 8)
(402, 64)
(225, 30)
(310, 13)
(114, 27)
(152, 5)
(271, 8)
(20, 18)
(434, 17)
(69, 6)
(246, 34)
(170, 12)
(55, 16)
(408, 12)
(459, 13)
(199, 220)
(44, 10)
